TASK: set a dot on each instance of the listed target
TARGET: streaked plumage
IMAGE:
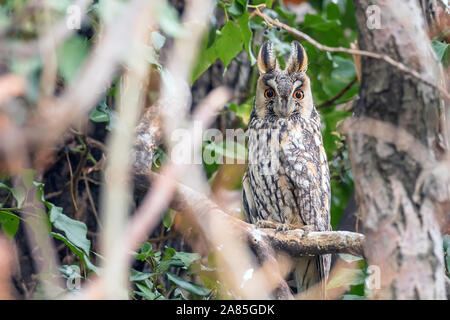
(287, 180)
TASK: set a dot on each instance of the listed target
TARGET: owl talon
(306, 230)
(283, 227)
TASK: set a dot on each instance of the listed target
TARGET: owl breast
(287, 180)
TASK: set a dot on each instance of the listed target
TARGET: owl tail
(310, 275)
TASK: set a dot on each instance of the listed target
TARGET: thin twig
(91, 200)
(374, 55)
(72, 192)
(336, 97)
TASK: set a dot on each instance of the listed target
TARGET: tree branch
(294, 242)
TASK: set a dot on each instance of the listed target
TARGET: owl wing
(304, 162)
(247, 200)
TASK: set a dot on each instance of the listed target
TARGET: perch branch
(293, 242)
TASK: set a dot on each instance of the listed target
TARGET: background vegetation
(68, 179)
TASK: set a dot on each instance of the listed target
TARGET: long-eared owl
(287, 180)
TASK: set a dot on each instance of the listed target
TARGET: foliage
(163, 273)
(159, 282)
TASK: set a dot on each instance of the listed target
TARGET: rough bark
(396, 202)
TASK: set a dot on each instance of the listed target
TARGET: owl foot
(306, 229)
(283, 227)
(275, 225)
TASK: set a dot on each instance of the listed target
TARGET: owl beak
(283, 111)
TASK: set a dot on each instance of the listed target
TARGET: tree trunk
(392, 185)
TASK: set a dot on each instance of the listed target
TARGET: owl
(287, 180)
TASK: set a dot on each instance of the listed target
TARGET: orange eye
(299, 95)
(269, 93)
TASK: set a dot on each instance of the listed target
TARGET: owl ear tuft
(298, 60)
(266, 58)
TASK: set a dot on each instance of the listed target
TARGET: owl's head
(283, 93)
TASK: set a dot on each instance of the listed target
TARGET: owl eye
(299, 95)
(269, 93)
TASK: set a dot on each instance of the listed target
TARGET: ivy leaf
(169, 218)
(74, 230)
(318, 23)
(186, 258)
(206, 57)
(101, 113)
(19, 193)
(229, 43)
(163, 266)
(146, 251)
(80, 253)
(188, 286)
(246, 33)
(9, 223)
(71, 56)
(146, 292)
(440, 49)
(139, 276)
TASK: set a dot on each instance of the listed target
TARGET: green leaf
(269, 4)
(19, 193)
(206, 57)
(169, 218)
(146, 292)
(318, 23)
(10, 223)
(163, 266)
(229, 43)
(246, 33)
(188, 286)
(101, 113)
(333, 11)
(236, 9)
(28, 177)
(344, 68)
(71, 57)
(146, 251)
(186, 257)
(440, 49)
(75, 231)
(138, 275)
(80, 253)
